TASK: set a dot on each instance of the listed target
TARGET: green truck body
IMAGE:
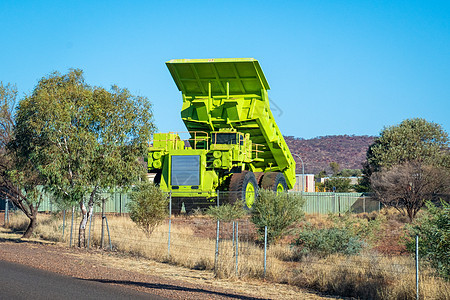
(233, 144)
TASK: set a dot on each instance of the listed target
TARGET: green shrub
(148, 206)
(227, 212)
(433, 228)
(341, 184)
(326, 241)
(277, 211)
(364, 228)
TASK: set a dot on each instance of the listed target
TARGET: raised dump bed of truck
(235, 145)
(232, 94)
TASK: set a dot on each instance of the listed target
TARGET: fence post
(6, 211)
(64, 222)
(90, 222)
(334, 203)
(170, 224)
(318, 208)
(417, 267)
(339, 205)
(109, 235)
(102, 238)
(237, 247)
(364, 203)
(265, 250)
(216, 254)
(120, 202)
(233, 234)
(71, 227)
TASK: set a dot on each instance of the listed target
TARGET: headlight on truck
(217, 163)
(157, 155)
(157, 164)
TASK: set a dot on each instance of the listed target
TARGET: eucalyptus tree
(409, 164)
(411, 140)
(83, 139)
(18, 180)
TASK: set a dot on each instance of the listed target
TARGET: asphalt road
(22, 282)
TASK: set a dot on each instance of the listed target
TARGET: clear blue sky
(334, 67)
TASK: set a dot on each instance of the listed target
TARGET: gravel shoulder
(140, 274)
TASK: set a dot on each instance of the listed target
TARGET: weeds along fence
(234, 249)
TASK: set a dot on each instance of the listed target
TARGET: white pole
(170, 224)
(303, 172)
(417, 267)
(265, 250)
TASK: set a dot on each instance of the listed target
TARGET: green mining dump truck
(233, 142)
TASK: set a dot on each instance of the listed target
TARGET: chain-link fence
(235, 248)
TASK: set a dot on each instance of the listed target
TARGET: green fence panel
(316, 203)
(325, 203)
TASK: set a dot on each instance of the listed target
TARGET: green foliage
(8, 95)
(277, 211)
(148, 206)
(321, 174)
(320, 187)
(363, 185)
(326, 241)
(334, 167)
(433, 228)
(227, 212)
(81, 138)
(341, 184)
(18, 179)
(365, 229)
(411, 140)
(350, 173)
(348, 235)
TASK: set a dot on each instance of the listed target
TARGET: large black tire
(274, 181)
(243, 187)
(259, 176)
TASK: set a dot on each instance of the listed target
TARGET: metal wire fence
(234, 248)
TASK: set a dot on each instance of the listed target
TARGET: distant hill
(349, 151)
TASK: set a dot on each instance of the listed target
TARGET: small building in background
(353, 180)
(308, 183)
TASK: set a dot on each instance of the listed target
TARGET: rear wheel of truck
(274, 181)
(259, 176)
(243, 186)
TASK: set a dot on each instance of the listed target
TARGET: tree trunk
(86, 214)
(32, 224)
(82, 229)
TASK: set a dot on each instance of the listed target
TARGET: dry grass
(367, 276)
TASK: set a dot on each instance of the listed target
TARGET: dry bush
(368, 276)
(17, 221)
(408, 185)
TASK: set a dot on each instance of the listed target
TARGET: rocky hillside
(317, 153)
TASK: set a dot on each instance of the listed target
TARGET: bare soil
(144, 275)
